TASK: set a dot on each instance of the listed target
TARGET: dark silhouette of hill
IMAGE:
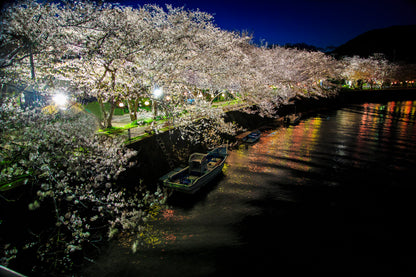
(397, 43)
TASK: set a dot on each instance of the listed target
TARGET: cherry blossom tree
(103, 48)
(56, 165)
(118, 53)
(30, 38)
(24, 33)
(373, 70)
(274, 76)
(403, 73)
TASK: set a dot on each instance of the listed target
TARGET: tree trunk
(3, 92)
(103, 114)
(133, 105)
(110, 115)
(154, 108)
(32, 64)
(107, 116)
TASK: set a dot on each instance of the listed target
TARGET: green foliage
(132, 124)
(121, 111)
(148, 120)
(95, 109)
(112, 131)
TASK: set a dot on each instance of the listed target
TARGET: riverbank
(153, 161)
(347, 96)
(329, 196)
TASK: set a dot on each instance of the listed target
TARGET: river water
(334, 194)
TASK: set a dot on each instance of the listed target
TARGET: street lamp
(157, 94)
(61, 100)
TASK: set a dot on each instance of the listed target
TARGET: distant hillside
(397, 43)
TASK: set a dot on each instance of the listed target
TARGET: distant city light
(61, 100)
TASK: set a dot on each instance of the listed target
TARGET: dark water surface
(335, 195)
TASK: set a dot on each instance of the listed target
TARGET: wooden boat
(202, 169)
(252, 137)
(292, 119)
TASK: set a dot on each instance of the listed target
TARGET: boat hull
(171, 179)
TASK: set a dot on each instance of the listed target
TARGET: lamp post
(157, 94)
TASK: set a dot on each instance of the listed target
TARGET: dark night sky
(318, 22)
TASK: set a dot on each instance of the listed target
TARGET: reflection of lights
(60, 100)
(170, 238)
(168, 214)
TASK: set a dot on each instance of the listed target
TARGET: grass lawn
(95, 109)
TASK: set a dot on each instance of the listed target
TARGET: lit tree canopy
(116, 53)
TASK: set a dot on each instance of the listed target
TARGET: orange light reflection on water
(378, 122)
(286, 147)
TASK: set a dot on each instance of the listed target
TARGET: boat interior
(198, 167)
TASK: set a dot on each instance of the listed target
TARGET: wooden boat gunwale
(199, 182)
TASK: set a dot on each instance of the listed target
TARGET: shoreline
(153, 160)
(330, 193)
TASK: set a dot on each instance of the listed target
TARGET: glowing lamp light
(158, 92)
(60, 100)
(147, 103)
(121, 104)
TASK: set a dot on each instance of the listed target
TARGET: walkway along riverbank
(159, 152)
